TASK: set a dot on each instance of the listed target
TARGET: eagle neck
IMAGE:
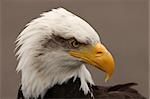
(34, 85)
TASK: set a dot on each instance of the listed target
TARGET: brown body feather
(71, 89)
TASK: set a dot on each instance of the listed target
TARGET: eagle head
(55, 47)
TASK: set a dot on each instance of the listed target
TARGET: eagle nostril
(99, 52)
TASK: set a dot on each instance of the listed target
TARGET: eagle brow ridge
(61, 39)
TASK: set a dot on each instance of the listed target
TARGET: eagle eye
(74, 43)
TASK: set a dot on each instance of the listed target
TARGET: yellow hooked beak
(97, 56)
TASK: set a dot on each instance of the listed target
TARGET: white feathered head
(54, 48)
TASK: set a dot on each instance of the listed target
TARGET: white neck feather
(34, 84)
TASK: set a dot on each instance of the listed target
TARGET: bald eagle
(53, 51)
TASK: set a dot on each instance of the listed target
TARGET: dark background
(122, 25)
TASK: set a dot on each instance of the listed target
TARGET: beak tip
(107, 77)
(106, 80)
